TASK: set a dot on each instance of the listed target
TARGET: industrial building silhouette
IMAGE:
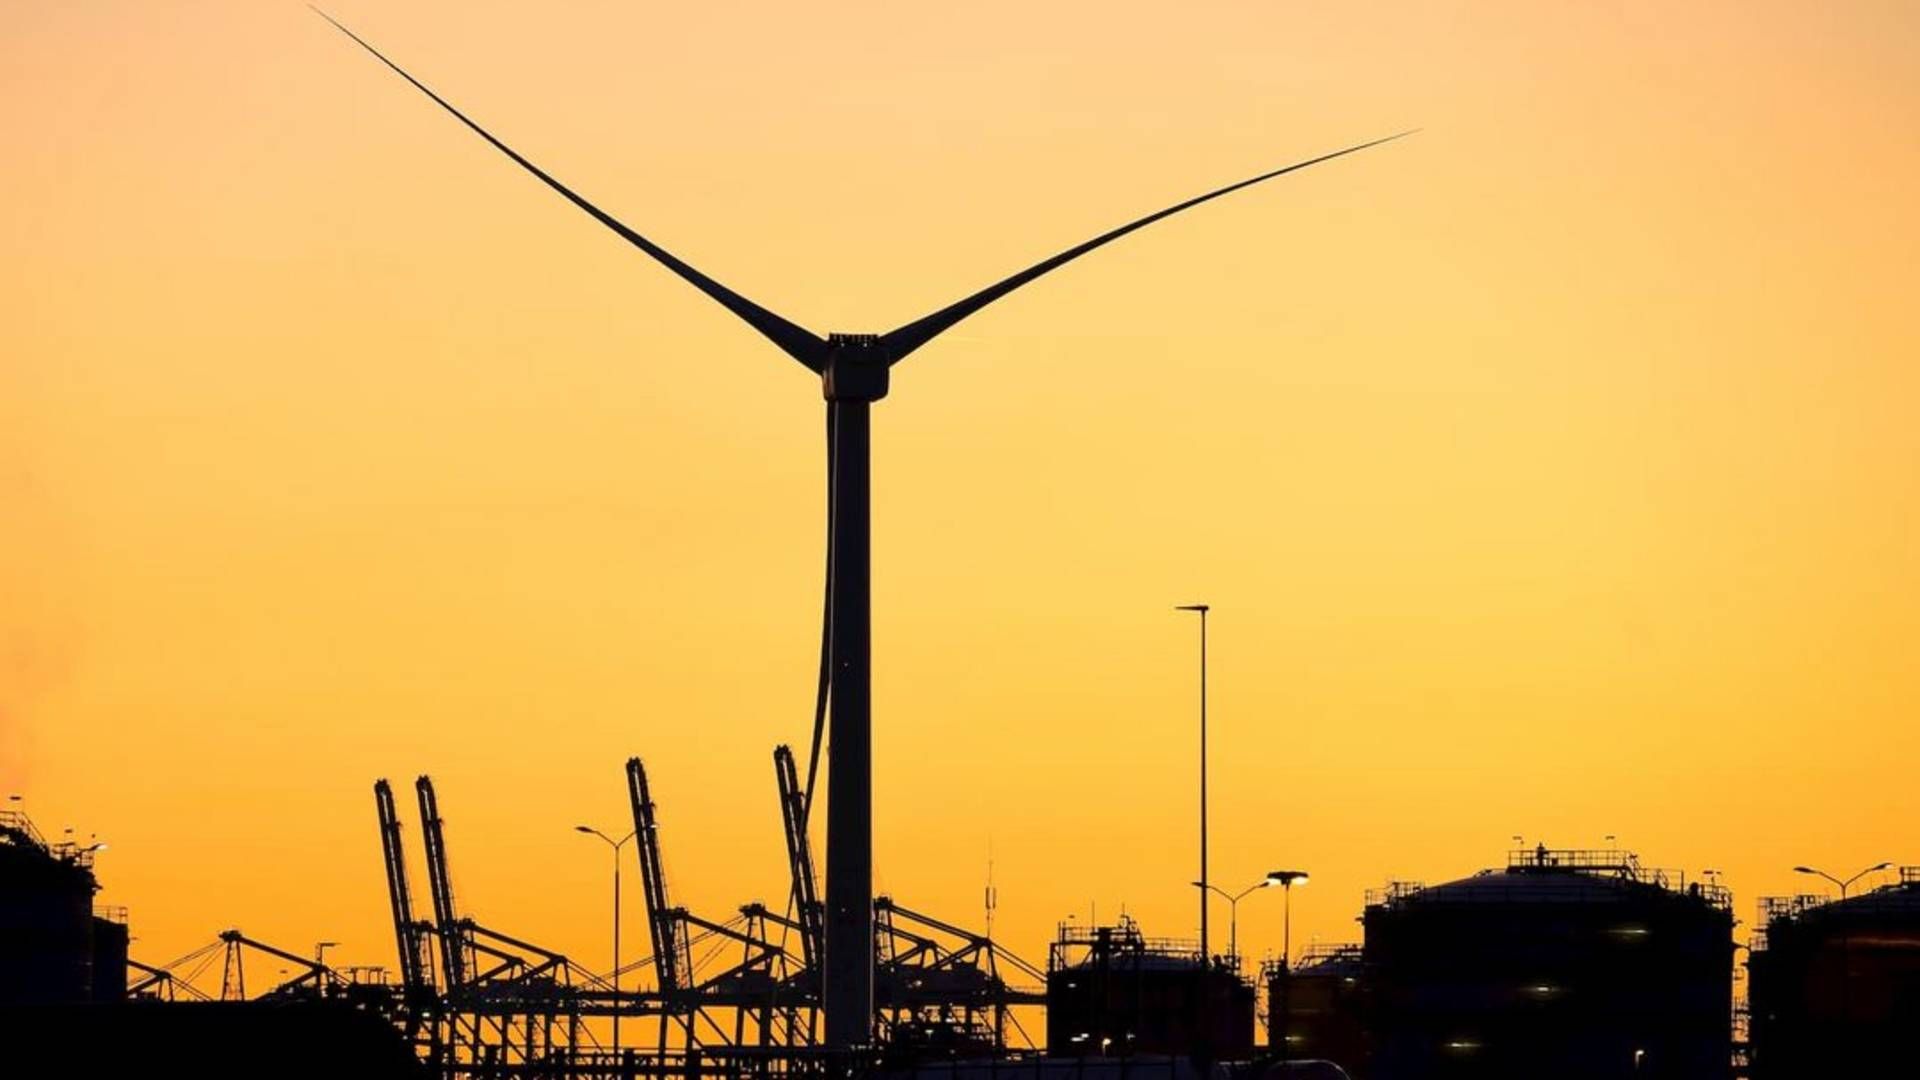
(1569, 964)
(1564, 963)
(1835, 986)
(54, 947)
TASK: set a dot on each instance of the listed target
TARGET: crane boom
(661, 924)
(793, 816)
(416, 968)
(433, 834)
(316, 977)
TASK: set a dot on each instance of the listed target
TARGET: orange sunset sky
(1551, 472)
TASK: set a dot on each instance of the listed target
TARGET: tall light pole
(616, 845)
(1233, 913)
(1286, 879)
(1202, 883)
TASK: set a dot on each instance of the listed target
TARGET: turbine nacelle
(855, 367)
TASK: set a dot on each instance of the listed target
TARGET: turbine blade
(795, 340)
(907, 338)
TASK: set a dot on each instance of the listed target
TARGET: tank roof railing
(17, 822)
(1718, 895)
(1613, 862)
(1124, 936)
(18, 828)
(1892, 895)
(1786, 907)
(1393, 891)
(1316, 955)
(1605, 864)
(1587, 860)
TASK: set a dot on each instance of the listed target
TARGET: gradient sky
(1551, 473)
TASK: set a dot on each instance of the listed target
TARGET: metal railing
(1393, 892)
(17, 821)
(1588, 860)
(1124, 937)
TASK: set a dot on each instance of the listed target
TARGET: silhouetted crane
(416, 959)
(749, 985)
(315, 978)
(805, 892)
(520, 1000)
(454, 959)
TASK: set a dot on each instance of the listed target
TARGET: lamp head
(1287, 877)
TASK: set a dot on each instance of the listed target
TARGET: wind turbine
(853, 369)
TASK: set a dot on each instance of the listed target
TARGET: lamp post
(1233, 912)
(1286, 879)
(1203, 885)
(1844, 885)
(615, 845)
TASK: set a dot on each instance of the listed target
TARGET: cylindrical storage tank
(1113, 993)
(46, 923)
(1573, 965)
(1316, 1008)
(1835, 987)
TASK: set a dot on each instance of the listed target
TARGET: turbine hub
(856, 368)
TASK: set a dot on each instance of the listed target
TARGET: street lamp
(1286, 879)
(1202, 884)
(1844, 885)
(1233, 912)
(615, 845)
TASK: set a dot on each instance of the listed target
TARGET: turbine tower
(853, 369)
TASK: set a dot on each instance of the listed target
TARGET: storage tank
(1569, 964)
(1112, 992)
(46, 917)
(1315, 1008)
(1834, 987)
